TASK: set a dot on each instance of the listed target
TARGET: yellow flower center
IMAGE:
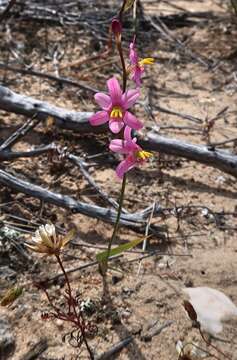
(147, 61)
(143, 155)
(116, 112)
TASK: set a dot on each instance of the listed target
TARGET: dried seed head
(46, 241)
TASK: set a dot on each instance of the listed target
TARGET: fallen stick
(11, 155)
(135, 221)
(36, 350)
(19, 133)
(155, 330)
(109, 354)
(219, 159)
(78, 121)
(26, 105)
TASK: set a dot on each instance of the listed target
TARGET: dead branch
(26, 105)
(11, 155)
(19, 133)
(36, 350)
(78, 121)
(135, 221)
(155, 330)
(115, 349)
(210, 156)
(7, 155)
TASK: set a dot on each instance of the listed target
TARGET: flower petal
(103, 100)
(45, 237)
(130, 97)
(125, 166)
(136, 75)
(131, 120)
(133, 54)
(68, 237)
(128, 133)
(115, 91)
(119, 146)
(116, 125)
(99, 118)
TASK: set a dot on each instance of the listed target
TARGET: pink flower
(137, 68)
(135, 156)
(115, 107)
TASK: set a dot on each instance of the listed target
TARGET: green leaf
(101, 257)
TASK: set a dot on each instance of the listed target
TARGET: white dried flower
(46, 241)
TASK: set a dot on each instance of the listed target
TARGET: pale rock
(212, 308)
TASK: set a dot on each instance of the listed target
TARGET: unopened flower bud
(116, 27)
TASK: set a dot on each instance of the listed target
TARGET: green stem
(116, 225)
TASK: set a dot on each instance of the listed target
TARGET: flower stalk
(115, 107)
(118, 40)
(116, 225)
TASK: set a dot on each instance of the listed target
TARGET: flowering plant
(115, 107)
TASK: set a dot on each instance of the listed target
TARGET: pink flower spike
(136, 67)
(115, 107)
(134, 154)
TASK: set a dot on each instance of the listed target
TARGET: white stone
(212, 308)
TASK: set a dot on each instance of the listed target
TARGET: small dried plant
(47, 242)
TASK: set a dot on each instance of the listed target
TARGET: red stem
(214, 347)
(71, 301)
